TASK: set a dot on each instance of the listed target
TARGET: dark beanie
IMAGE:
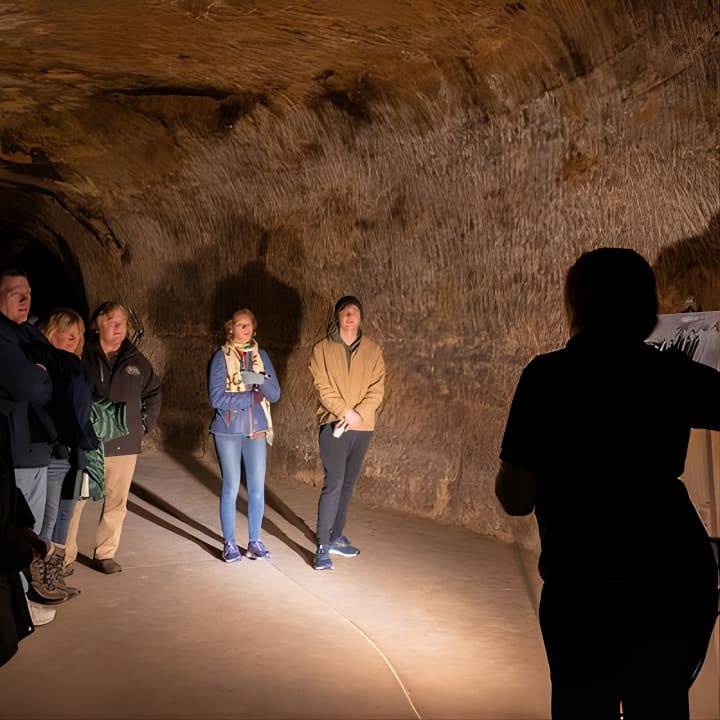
(346, 300)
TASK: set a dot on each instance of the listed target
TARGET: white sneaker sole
(344, 551)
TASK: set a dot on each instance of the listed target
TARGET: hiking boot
(40, 615)
(322, 558)
(106, 565)
(55, 569)
(256, 549)
(33, 595)
(43, 588)
(231, 552)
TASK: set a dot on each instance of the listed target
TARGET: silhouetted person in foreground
(595, 442)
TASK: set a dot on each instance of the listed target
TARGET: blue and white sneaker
(322, 558)
(231, 552)
(257, 549)
(343, 546)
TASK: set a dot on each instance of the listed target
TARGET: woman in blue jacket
(241, 386)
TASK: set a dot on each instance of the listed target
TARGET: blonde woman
(241, 386)
(65, 330)
(70, 410)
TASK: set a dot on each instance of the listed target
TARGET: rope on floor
(385, 659)
(359, 630)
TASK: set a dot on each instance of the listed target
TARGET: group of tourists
(75, 405)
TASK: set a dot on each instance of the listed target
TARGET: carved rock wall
(445, 162)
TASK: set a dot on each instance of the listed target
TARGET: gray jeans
(342, 460)
(33, 485)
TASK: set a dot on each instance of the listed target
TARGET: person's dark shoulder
(92, 345)
(670, 364)
(131, 353)
(11, 335)
(549, 362)
(8, 330)
(71, 360)
(138, 358)
(33, 333)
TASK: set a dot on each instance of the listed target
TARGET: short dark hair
(104, 309)
(343, 302)
(12, 270)
(612, 290)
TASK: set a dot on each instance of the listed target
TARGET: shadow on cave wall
(690, 267)
(193, 330)
(275, 304)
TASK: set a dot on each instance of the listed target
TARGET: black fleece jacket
(131, 379)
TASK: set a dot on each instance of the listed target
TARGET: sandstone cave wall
(450, 194)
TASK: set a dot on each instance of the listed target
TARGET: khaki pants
(119, 472)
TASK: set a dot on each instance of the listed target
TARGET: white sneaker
(39, 614)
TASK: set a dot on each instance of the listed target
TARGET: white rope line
(359, 630)
(385, 659)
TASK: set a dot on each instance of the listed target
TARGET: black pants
(639, 643)
(342, 459)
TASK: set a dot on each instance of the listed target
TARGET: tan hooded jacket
(359, 387)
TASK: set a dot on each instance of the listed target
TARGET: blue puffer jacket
(239, 413)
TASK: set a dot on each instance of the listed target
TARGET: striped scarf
(235, 355)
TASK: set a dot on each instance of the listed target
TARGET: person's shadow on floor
(213, 482)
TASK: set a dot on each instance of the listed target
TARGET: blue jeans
(56, 473)
(62, 524)
(232, 450)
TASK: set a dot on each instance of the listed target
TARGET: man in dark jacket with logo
(121, 373)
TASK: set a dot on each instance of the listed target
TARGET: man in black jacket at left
(25, 390)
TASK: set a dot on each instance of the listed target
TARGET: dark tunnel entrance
(33, 234)
(51, 283)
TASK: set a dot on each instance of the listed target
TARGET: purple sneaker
(256, 549)
(231, 552)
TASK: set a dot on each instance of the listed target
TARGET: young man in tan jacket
(349, 374)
